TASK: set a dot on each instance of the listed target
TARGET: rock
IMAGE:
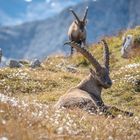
(61, 65)
(35, 63)
(24, 62)
(71, 68)
(14, 64)
(126, 47)
(130, 47)
(68, 68)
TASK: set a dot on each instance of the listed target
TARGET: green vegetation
(28, 95)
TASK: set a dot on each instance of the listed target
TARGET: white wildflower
(3, 122)
(119, 116)
(134, 65)
(3, 138)
(60, 130)
(110, 138)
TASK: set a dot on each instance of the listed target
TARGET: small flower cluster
(130, 66)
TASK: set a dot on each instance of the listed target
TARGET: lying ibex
(77, 31)
(87, 94)
(130, 47)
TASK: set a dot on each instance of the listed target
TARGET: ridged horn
(85, 14)
(86, 54)
(75, 15)
(106, 54)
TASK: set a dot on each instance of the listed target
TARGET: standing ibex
(77, 31)
(87, 94)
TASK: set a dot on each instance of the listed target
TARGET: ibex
(87, 94)
(77, 31)
(130, 47)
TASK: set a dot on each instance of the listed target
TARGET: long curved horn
(75, 15)
(106, 54)
(86, 54)
(85, 14)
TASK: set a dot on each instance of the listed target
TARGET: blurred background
(38, 28)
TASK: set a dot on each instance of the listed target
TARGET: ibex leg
(113, 111)
(72, 50)
(84, 43)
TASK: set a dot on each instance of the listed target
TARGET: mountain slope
(27, 99)
(42, 38)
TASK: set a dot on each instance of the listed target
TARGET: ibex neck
(91, 86)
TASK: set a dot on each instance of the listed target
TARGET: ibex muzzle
(87, 94)
(77, 30)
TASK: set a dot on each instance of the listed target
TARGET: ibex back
(77, 31)
(87, 94)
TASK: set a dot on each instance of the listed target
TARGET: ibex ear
(76, 22)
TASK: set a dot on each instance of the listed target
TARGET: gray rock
(71, 68)
(131, 46)
(61, 65)
(24, 62)
(15, 64)
(127, 46)
(35, 63)
(68, 68)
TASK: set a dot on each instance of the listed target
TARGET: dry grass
(31, 120)
(28, 95)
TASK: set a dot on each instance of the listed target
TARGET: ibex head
(80, 23)
(101, 73)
